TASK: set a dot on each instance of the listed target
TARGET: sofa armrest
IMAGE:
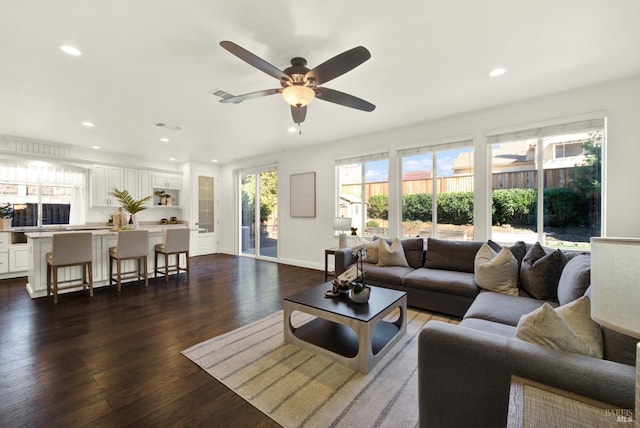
(344, 258)
(464, 375)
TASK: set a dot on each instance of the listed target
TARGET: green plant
(561, 203)
(6, 211)
(513, 206)
(129, 204)
(372, 223)
(378, 207)
(417, 207)
(455, 208)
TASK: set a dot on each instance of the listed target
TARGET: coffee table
(352, 334)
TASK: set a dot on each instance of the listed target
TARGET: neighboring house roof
(416, 175)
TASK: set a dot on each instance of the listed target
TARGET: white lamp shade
(342, 223)
(615, 284)
(298, 95)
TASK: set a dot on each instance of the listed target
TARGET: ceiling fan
(301, 85)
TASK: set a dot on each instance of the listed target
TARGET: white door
(203, 240)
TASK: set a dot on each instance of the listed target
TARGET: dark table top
(381, 298)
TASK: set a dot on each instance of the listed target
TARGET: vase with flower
(359, 291)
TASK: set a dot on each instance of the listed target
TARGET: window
(437, 191)
(363, 191)
(547, 184)
(43, 195)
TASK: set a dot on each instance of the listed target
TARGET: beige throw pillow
(567, 328)
(371, 251)
(391, 255)
(496, 271)
(577, 315)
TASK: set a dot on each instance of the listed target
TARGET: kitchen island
(39, 244)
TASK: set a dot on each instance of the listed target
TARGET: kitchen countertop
(47, 232)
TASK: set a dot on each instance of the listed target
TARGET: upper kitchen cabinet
(166, 181)
(103, 179)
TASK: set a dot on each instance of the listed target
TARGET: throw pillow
(519, 249)
(575, 279)
(545, 327)
(391, 255)
(577, 315)
(371, 251)
(540, 272)
(496, 271)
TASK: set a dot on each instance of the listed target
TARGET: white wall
(302, 241)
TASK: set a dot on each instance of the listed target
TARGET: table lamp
(342, 224)
(615, 291)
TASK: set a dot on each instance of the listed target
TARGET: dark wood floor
(115, 360)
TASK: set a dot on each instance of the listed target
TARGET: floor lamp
(615, 291)
(342, 224)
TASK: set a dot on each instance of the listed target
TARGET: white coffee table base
(356, 344)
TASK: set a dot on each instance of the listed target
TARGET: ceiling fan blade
(239, 98)
(298, 114)
(338, 65)
(254, 60)
(333, 96)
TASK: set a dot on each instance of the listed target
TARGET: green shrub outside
(562, 204)
(455, 208)
(509, 206)
(417, 207)
(513, 206)
(378, 207)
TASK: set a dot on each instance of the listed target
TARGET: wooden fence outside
(553, 178)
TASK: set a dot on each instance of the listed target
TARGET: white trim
(549, 127)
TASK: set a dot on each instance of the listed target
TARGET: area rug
(297, 388)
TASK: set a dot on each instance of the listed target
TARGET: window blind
(546, 131)
(454, 145)
(363, 158)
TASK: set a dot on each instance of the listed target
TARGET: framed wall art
(303, 195)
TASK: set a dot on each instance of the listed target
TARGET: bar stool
(70, 249)
(176, 241)
(132, 245)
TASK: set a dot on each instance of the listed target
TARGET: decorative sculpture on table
(352, 280)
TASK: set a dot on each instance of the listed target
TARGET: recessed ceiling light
(70, 50)
(497, 72)
(164, 140)
(95, 147)
(172, 159)
(214, 160)
(88, 124)
(292, 129)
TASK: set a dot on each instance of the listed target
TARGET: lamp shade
(298, 95)
(342, 223)
(615, 284)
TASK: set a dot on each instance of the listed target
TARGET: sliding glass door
(259, 213)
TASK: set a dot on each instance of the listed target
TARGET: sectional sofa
(464, 370)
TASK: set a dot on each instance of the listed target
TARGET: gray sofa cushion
(575, 279)
(503, 309)
(413, 251)
(540, 272)
(451, 255)
(619, 347)
(378, 275)
(489, 327)
(442, 281)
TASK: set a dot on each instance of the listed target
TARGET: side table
(328, 251)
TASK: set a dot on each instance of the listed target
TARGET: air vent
(164, 125)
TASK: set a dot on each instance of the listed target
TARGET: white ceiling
(148, 61)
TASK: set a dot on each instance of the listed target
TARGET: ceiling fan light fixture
(298, 95)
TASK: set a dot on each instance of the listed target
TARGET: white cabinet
(103, 179)
(145, 186)
(18, 258)
(166, 181)
(5, 241)
(131, 183)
